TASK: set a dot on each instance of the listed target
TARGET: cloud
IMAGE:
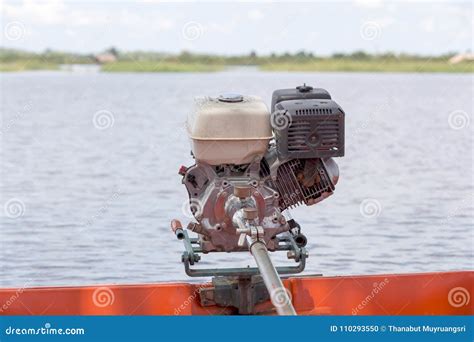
(242, 27)
(428, 25)
(47, 12)
(255, 14)
(165, 24)
(368, 3)
(52, 12)
(60, 13)
(384, 22)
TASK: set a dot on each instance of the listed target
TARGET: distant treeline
(113, 60)
(58, 57)
(48, 56)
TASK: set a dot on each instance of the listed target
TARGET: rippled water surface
(95, 204)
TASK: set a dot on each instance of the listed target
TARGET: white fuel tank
(229, 129)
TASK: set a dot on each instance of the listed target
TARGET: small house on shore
(104, 58)
(461, 57)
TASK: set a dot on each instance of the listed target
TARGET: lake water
(89, 178)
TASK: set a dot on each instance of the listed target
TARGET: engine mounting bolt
(250, 213)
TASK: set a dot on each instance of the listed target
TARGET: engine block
(214, 200)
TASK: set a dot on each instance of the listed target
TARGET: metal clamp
(286, 243)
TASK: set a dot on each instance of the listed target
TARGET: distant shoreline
(329, 65)
(142, 61)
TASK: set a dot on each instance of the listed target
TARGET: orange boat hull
(443, 293)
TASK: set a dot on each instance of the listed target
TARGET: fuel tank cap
(231, 97)
(304, 88)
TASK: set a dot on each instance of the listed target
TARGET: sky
(229, 28)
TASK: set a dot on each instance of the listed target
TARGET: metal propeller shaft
(246, 220)
(279, 295)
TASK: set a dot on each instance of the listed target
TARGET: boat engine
(252, 165)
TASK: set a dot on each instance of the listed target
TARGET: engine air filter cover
(309, 128)
(303, 92)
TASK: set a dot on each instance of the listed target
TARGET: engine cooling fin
(290, 182)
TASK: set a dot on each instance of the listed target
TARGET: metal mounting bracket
(285, 243)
